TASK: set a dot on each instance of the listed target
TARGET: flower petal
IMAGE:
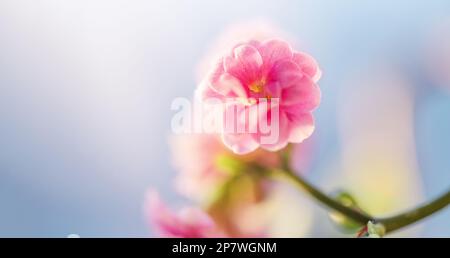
(236, 134)
(189, 222)
(229, 86)
(273, 90)
(286, 73)
(308, 65)
(304, 94)
(273, 51)
(244, 64)
(301, 127)
(240, 143)
(282, 134)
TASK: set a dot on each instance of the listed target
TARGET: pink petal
(301, 127)
(237, 134)
(229, 86)
(308, 65)
(161, 217)
(240, 143)
(221, 84)
(277, 136)
(244, 64)
(283, 134)
(274, 90)
(286, 73)
(273, 51)
(190, 222)
(195, 218)
(216, 71)
(304, 94)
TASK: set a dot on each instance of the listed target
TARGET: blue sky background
(86, 87)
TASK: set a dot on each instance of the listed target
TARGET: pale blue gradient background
(86, 87)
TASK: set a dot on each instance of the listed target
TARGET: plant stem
(390, 223)
(410, 217)
(323, 198)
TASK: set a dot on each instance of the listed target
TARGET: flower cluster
(218, 180)
(261, 82)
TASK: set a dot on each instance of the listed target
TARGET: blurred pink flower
(189, 222)
(200, 178)
(195, 157)
(267, 70)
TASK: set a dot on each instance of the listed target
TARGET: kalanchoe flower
(189, 222)
(255, 74)
(240, 202)
(196, 158)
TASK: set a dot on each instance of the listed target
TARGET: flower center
(258, 86)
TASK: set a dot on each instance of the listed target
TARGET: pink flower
(255, 74)
(189, 222)
(195, 157)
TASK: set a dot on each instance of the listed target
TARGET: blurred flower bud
(341, 221)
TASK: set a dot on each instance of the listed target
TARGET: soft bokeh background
(86, 88)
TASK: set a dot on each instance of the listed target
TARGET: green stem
(324, 199)
(391, 223)
(410, 217)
